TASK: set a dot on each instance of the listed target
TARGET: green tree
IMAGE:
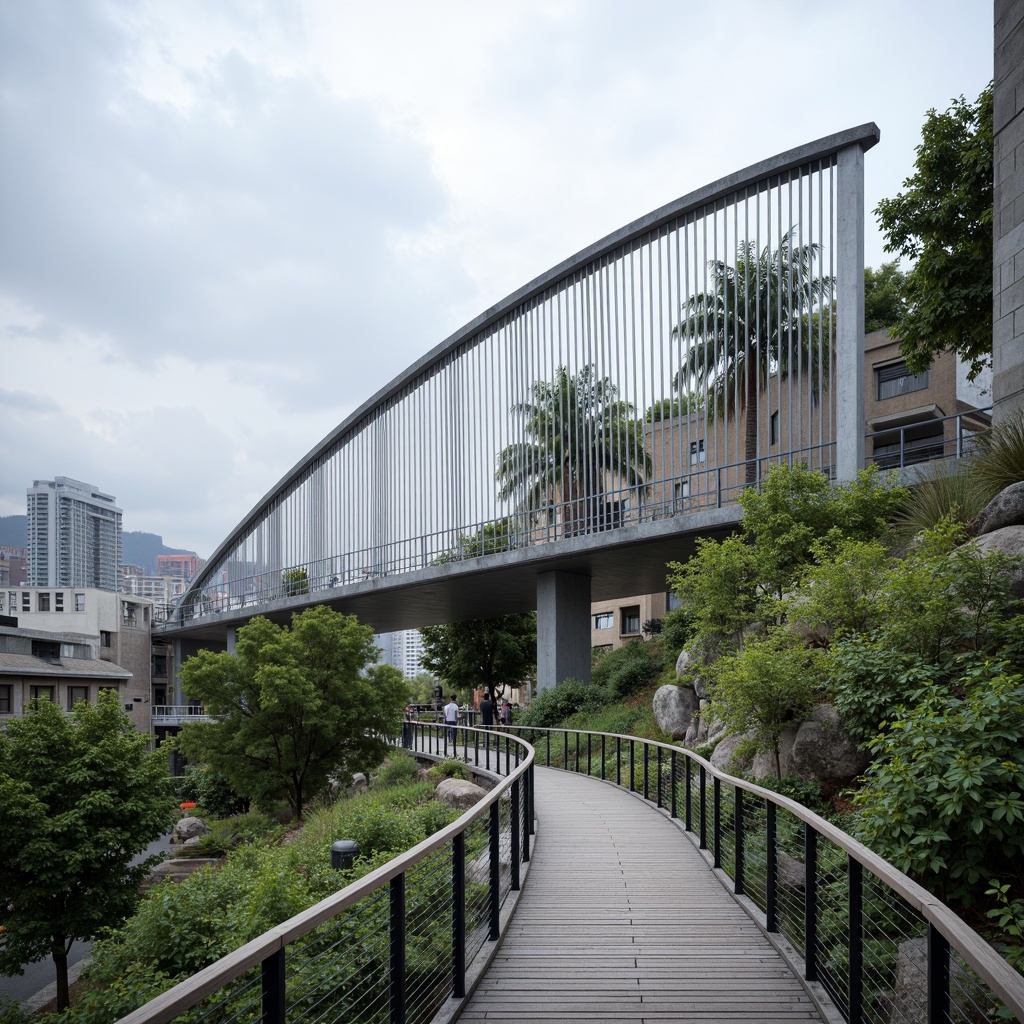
(942, 221)
(295, 581)
(580, 440)
(757, 318)
(489, 654)
(82, 796)
(292, 706)
(770, 684)
(884, 303)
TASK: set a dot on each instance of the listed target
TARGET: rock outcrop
(459, 794)
(1005, 509)
(188, 828)
(675, 708)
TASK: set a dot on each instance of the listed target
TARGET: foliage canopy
(292, 706)
(82, 796)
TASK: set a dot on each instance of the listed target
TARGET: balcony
(178, 714)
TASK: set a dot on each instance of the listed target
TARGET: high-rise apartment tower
(74, 535)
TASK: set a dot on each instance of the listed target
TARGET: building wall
(1008, 211)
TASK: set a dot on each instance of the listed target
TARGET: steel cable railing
(881, 948)
(393, 946)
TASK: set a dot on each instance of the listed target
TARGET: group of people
(489, 711)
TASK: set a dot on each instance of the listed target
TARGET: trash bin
(343, 854)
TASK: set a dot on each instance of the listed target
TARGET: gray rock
(1009, 540)
(764, 761)
(479, 870)
(791, 872)
(1005, 509)
(910, 989)
(188, 828)
(824, 751)
(683, 661)
(178, 868)
(359, 784)
(674, 709)
(724, 755)
(459, 793)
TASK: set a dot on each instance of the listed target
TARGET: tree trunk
(60, 961)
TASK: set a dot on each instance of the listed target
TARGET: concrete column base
(563, 628)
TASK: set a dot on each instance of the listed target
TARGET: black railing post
(273, 978)
(810, 903)
(855, 913)
(738, 828)
(576, 746)
(530, 808)
(495, 879)
(487, 750)
(398, 949)
(602, 756)
(771, 880)
(632, 766)
(938, 976)
(459, 915)
(525, 812)
(618, 761)
(588, 752)
(688, 798)
(658, 773)
(647, 765)
(514, 844)
(674, 782)
(716, 788)
(702, 781)
(547, 741)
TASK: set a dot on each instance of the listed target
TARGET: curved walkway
(621, 919)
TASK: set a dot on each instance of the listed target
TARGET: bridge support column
(563, 628)
(231, 638)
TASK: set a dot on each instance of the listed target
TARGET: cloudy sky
(224, 226)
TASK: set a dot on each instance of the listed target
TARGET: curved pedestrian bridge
(654, 887)
(623, 920)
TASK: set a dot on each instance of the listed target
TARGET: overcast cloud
(223, 227)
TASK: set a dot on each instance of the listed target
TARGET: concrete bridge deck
(621, 919)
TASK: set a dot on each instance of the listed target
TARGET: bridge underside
(479, 588)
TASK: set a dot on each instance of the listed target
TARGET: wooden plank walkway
(622, 920)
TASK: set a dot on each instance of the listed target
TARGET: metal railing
(882, 948)
(927, 440)
(177, 714)
(392, 946)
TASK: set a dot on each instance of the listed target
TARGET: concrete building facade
(74, 535)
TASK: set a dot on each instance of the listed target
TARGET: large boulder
(459, 794)
(1009, 540)
(1005, 509)
(674, 709)
(188, 828)
(764, 761)
(823, 751)
(724, 756)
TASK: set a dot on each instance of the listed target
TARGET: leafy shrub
(377, 829)
(448, 768)
(434, 816)
(803, 791)
(944, 802)
(207, 788)
(229, 833)
(629, 669)
(676, 628)
(398, 770)
(11, 1011)
(552, 707)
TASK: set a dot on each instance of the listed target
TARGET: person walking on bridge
(451, 717)
(487, 710)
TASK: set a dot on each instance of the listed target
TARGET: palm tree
(579, 439)
(760, 316)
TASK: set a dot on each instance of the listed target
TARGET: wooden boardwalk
(622, 920)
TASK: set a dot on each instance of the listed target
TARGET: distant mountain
(14, 531)
(137, 548)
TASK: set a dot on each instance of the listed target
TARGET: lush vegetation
(81, 797)
(179, 928)
(292, 706)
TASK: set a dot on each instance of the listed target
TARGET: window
(26, 601)
(697, 454)
(104, 638)
(604, 620)
(67, 650)
(43, 601)
(630, 620)
(5, 698)
(77, 693)
(159, 664)
(773, 428)
(79, 602)
(918, 442)
(673, 601)
(40, 692)
(12, 602)
(898, 380)
(58, 601)
(682, 490)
